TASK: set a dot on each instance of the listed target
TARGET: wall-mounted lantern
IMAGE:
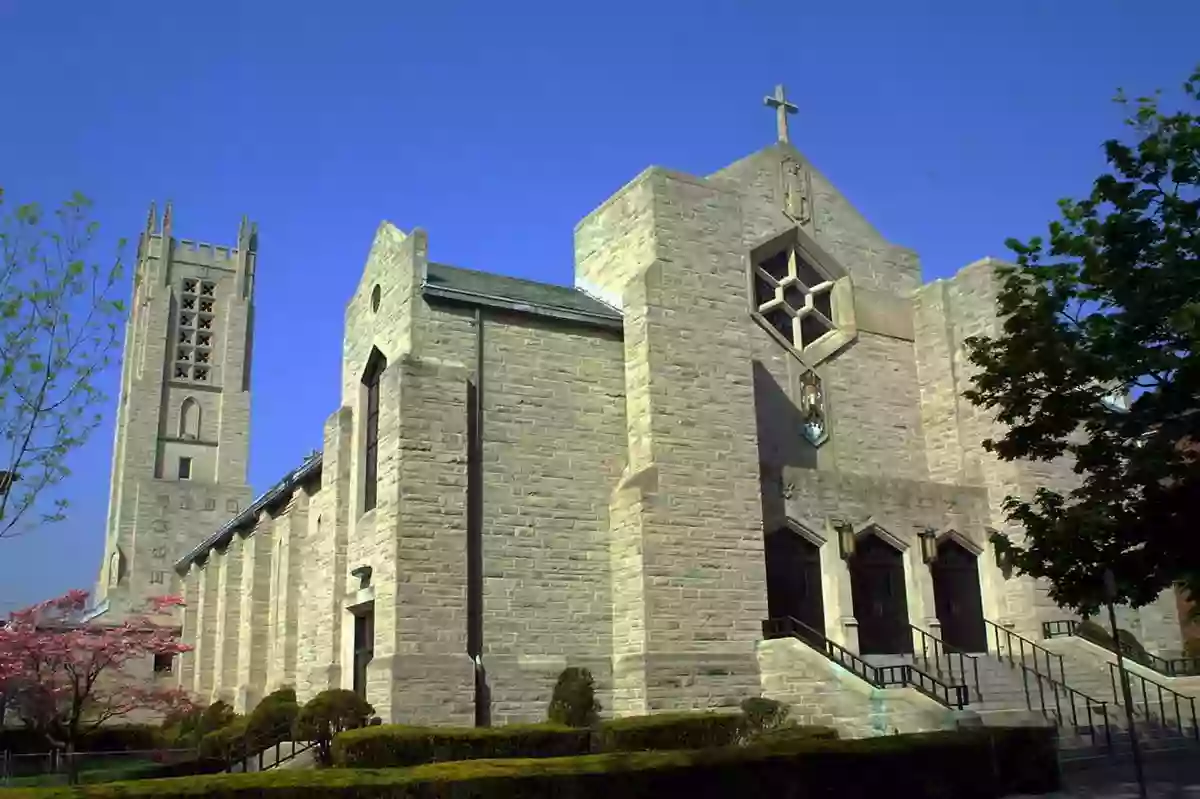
(363, 574)
(928, 539)
(1004, 561)
(845, 537)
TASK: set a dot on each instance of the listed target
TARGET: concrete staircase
(1019, 683)
(1163, 715)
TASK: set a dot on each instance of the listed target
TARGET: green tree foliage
(58, 328)
(573, 702)
(327, 714)
(1108, 304)
(273, 717)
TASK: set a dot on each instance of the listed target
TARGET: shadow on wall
(780, 441)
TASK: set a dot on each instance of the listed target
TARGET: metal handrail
(1029, 653)
(1028, 656)
(949, 653)
(1168, 667)
(1165, 695)
(904, 675)
(249, 751)
(1094, 707)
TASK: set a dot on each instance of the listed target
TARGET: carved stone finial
(152, 218)
(166, 223)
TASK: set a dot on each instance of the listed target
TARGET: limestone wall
(687, 547)
(321, 578)
(553, 448)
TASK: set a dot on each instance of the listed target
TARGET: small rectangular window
(164, 663)
(158, 578)
(185, 468)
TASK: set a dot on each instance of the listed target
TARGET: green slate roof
(470, 287)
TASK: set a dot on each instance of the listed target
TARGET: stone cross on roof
(782, 107)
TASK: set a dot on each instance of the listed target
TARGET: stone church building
(747, 407)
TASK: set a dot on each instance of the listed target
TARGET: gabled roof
(270, 500)
(469, 287)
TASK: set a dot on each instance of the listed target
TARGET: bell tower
(181, 452)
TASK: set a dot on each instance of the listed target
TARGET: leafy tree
(1108, 305)
(58, 328)
(65, 678)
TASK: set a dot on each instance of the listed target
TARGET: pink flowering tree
(64, 677)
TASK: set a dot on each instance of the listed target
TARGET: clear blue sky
(497, 126)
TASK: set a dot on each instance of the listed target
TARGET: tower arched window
(376, 363)
(189, 419)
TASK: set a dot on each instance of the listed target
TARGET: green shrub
(226, 743)
(793, 733)
(1131, 647)
(181, 729)
(764, 714)
(1089, 630)
(573, 702)
(216, 716)
(106, 738)
(968, 764)
(663, 731)
(394, 745)
(329, 713)
(272, 718)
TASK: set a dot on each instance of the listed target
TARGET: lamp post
(1110, 596)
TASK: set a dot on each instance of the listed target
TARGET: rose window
(794, 298)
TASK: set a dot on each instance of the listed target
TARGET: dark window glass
(375, 366)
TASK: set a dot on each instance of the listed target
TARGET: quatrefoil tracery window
(794, 297)
(197, 306)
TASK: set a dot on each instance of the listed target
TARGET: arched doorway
(794, 580)
(957, 598)
(880, 599)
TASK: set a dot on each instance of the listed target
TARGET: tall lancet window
(189, 419)
(114, 569)
(374, 371)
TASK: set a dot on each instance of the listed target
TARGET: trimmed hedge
(965, 764)
(106, 738)
(666, 731)
(793, 734)
(396, 745)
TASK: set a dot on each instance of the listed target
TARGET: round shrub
(227, 743)
(327, 714)
(273, 717)
(573, 702)
(764, 714)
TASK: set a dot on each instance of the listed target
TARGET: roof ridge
(503, 277)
